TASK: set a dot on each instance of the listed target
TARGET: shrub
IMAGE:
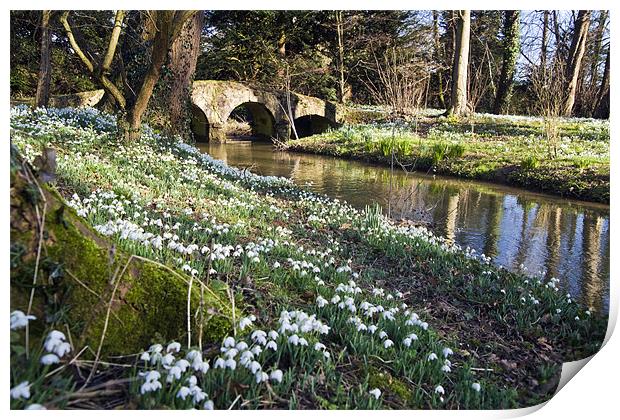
(530, 162)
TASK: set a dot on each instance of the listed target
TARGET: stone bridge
(213, 102)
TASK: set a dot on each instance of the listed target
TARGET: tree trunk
(602, 98)
(45, 70)
(182, 66)
(438, 73)
(458, 101)
(575, 56)
(510, 53)
(168, 27)
(343, 96)
(597, 49)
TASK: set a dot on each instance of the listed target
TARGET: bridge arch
(310, 124)
(199, 124)
(255, 114)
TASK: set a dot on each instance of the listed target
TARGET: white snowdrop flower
(231, 353)
(424, 326)
(150, 386)
(193, 354)
(293, 339)
(272, 345)
(276, 265)
(174, 372)
(62, 349)
(326, 354)
(49, 359)
(261, 377)
(203, 367)
(229, 342)
(576, 318)
(273, 335)
(334, 300)
(219, 363)
(407, 342)
(198, 394)
(241, 346)
(212, 271)
(276, 375)
(244, 323)
(476, 386)
(439, 390)
(388, 343)
(321, 301)
(372, 329)
(303, 342)
(145, 357)
(382, 334)
(432, 356)
(447, 352)
(413, 336)
(21, 391)
(209, 405)
(255, 366)
(173, 347)
(362, 327)
(35, 407)
(256, 350)
(231, 364)
(183, 393)
(446, 368)
(588, 313)
(156, 348)
(20, 319)
(319, 346)
(375, 393)
(182, 364)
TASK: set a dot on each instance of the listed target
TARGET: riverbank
(287, 299)
(503, 149)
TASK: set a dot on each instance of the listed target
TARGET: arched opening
(250, 121)
(309, 125)
(199, 124)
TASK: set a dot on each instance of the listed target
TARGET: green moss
(388, 384)
(150, 303)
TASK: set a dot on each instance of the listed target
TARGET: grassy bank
(330, 307)
(505, 149)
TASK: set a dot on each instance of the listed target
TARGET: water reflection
(566, 239)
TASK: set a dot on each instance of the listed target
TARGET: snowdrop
(272, 345)
(35, 407)
(439, 390)
(20, 320)
(21, 391)
(447, 352)
(375, 393)
(276, 375)
(173, 347)
(476, 386)
(49, 359)
(431, 357)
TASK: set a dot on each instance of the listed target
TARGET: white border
(591, 394)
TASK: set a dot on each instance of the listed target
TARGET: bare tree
(548, 85)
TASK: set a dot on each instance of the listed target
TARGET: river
(566, 239)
